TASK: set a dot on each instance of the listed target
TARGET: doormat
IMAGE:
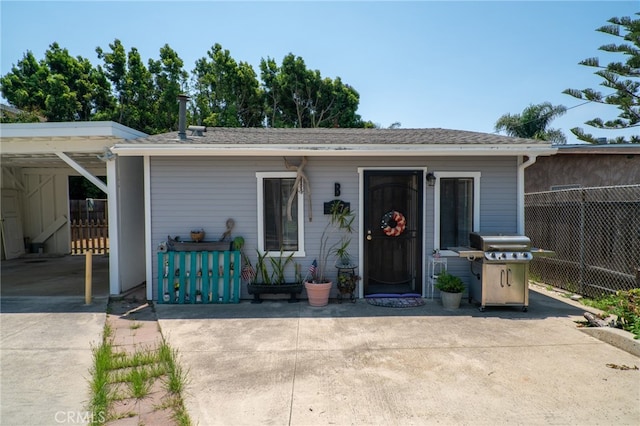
(396, 300)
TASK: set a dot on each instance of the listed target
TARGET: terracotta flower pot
(318, 294)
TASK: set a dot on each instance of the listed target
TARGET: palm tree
(533, 123)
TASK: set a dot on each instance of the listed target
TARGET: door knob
(369, 235)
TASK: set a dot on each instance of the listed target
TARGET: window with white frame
(457, 208)
(278, 229)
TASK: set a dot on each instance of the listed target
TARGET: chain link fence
(595, 234)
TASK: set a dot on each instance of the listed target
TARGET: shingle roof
(333, 136)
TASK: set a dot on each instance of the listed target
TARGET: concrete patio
(291, 364)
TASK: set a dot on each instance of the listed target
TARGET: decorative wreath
(393, 223)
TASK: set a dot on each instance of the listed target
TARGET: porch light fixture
(106, 156)
(431, 179)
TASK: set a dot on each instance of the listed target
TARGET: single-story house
(444, 183)
(37, 160)
(585, 166)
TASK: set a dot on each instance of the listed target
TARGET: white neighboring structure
(36, 162)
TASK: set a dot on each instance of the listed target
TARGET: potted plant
(270, 277)
(197, 235)
(451, 288)
(347, 282)
(347, 278)
(340, 222)
(198, 296)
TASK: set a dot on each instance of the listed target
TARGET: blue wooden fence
(199, 277)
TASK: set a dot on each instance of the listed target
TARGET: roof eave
(332, 150)
(69, 129)
(44, 145)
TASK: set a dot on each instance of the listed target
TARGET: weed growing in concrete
(176, 376)
(135, 326)
(139, 382)
(117, 376)
(101, 394)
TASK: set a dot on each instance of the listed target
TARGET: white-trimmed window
(457, 208)
(276, 232)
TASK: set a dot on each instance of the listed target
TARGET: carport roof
(37, 144)
(332, 141)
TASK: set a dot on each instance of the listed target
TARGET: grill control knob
(515, 255)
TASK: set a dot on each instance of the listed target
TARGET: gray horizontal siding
(203, 192)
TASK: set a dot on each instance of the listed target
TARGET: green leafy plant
(238, 243)
(625, 305)
(344, 257)
(348, 281)
(449, 283)
(340, 223)
(273, 272)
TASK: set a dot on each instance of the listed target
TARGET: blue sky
(454, 64)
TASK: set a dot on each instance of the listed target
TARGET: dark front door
(393, 231)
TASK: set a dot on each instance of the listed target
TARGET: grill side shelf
(538, 252)
(468, 252)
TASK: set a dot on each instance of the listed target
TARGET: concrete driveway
(46, 335)
(357, 364)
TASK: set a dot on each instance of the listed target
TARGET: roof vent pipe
(182, 116)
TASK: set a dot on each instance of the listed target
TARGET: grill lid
(499, 242)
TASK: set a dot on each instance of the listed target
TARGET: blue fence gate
(199, 277)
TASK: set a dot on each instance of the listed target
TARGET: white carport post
(114, 228)
(147, 226)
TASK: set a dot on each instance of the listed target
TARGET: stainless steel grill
(503, 261)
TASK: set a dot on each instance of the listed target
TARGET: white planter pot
(450, 300)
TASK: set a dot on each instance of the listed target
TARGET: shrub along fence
(595, 233)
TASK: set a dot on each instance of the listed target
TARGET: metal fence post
(582, 242)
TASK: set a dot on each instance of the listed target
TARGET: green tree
(24, 86)
(623, 78)
(133, 85)
(170, 79)
(60, 87)
(13, 115)
(298, 97)
(533, 123)
(227, 93)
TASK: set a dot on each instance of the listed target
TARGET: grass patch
(625, 305)
(144, 356)
(139, 382)
(135, 326)
(176, 378)
(101, 394)
(116, 376)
